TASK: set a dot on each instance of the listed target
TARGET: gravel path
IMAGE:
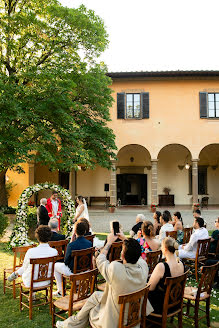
(100, 219)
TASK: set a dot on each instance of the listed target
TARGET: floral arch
(19, 235)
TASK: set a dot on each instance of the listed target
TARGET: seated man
(139, 220)
(66, 268)
(102, 308)
(214, 237)
(54, 224)
(189, 250)
(165, 225)
(43, 235)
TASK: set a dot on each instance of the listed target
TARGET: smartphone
(116, 227)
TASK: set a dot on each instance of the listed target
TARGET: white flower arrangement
(19, 234)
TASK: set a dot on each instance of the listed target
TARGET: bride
(81, 210)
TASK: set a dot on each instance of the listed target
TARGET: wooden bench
(102, 199)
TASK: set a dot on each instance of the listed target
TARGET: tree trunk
(3, 195)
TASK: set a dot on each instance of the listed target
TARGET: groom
(54, 207)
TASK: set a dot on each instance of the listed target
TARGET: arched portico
(131, 175)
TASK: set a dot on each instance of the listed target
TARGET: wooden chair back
(203, 249)
(152, 259)
(90, 238)
(174, 294)
(207, 279)
(82, 287)
(60, 246)
(115, 251)
(172, 234)
(19, 254)
(83, 259)
(204, 202)
(42, 270)
(187, 234)
(136, 304)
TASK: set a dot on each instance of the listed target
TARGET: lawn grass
(11, 317)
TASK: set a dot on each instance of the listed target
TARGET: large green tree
(54, 97)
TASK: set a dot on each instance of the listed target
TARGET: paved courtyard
(100, 218)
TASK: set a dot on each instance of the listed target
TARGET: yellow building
(167, 133)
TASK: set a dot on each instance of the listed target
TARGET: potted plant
(112, 208)
(153, 208)
(166, 190)
(195, 206)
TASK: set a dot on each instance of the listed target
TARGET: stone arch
(131, 150)
(19, 235)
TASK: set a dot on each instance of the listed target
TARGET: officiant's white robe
(102, 308)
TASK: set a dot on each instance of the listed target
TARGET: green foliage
(32, 218)
(54, 97)
(7, 209)
(3, 223)
(9, 186)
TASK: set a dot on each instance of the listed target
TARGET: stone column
(154, 198)
(72, 183)
(113, 187)
(31, 180)
(195, 180)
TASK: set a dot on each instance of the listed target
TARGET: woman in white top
(81, 210)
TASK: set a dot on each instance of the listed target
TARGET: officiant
(54, 207)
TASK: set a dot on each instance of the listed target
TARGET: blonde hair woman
(171, 268)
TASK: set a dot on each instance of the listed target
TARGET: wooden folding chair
(204, 202)
(60, 246)
(135, 303)
(83, 261)
(201, 294)
(173, 302)
(19, 254)
(216, 254)
(201, 255)
(90, 238)
(152, 258)
(82, 287)
(42, 271)
(115, 251)
(187, 234)
(172, 234)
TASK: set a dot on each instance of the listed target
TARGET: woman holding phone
(115, 227)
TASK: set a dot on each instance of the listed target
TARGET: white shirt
(55, 206)
(41, 251)
(166, 227)
(199, 234)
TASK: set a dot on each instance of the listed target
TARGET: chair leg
(196, 315)
(50, 301)
(208, 311)
(180, 319)
(20, 298)
(188, 303)
(4, 282)
(53, 316)
(14, 289)
(30, 305)
(196, 271)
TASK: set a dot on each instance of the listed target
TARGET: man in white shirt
(43, 235)
(189, 250)
(166, 226)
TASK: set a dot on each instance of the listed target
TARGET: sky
(158, 35)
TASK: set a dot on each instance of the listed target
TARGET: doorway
(132, 189)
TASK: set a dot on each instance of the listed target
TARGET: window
(133, 109)
(133, 105)
(213, 105)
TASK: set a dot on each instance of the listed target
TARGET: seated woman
(178, 226)
(171, 268)
(112, 231)
(147, 242)
(157, 224)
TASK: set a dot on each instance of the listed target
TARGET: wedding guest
(178, 226)
(165, 225)
(43, 235)
(54, 224)
(42, 213)
(88, 230)
(81, 210)
(171, 268)
(117, 239)
(102, 308)
(214, 237)
(189, 250)
(139, 220)
(54, 207)
(157, 225)
(197, 213)
(147, 242)
(67, 267)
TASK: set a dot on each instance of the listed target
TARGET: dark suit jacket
(57, 236)
(43, 215)
(78, 244)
